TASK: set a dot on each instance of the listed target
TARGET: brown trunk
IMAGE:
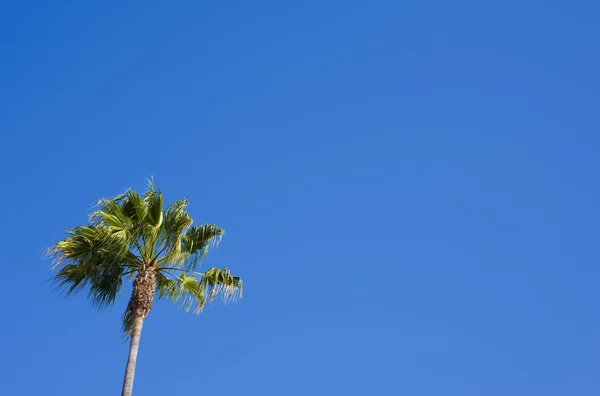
(140, 305)
(136, 332)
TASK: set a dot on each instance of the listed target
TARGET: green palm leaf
(194, 290)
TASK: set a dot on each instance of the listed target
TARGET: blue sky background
(410, 192)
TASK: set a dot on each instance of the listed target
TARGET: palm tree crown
(131, 234)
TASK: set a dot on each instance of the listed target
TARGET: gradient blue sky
(410, 192)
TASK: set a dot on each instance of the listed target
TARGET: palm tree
(131, 237)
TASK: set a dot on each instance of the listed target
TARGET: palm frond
(197, 242)
(154, 201)
(165, 287)
(134, 217)
(73, 278)
(111, 213)
(193, 291)
(176, 222)
(95, 242)
(92, 256)
(152, 225)
(189, 291)
(220, 282)
(105, 282)
(106, 286)
(134, 207)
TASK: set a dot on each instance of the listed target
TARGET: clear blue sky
(410, 192)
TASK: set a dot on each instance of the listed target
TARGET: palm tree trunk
(139, 306)
(136, 332)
